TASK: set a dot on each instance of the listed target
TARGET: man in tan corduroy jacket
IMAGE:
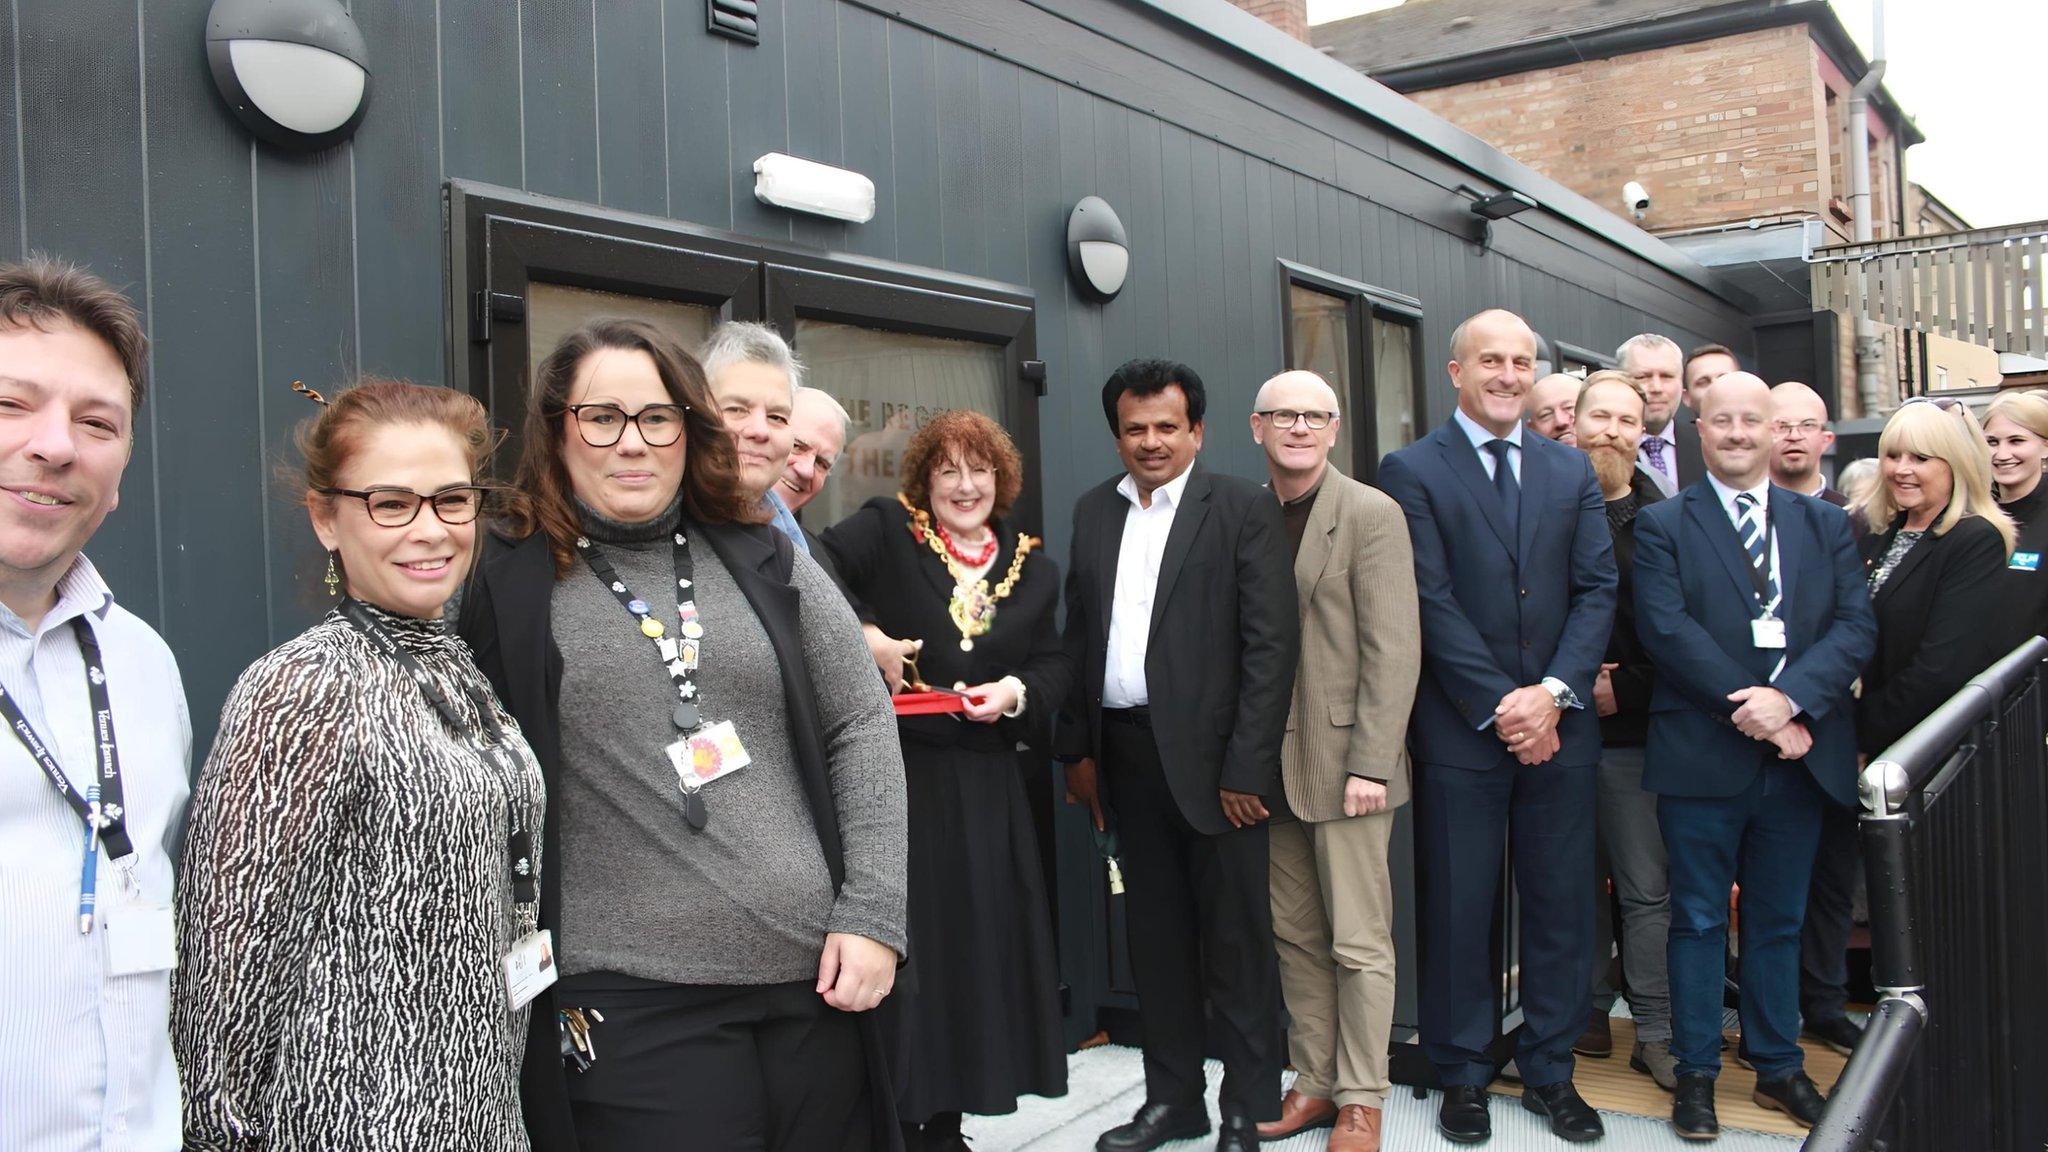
(1343, 764)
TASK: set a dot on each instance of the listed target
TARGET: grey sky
(1965, 70)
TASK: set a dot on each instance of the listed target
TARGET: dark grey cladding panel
(481, 98)
(757, 104)
(632, 144)
(558, 112)
(14, 222)
(700, 185)
(396, 177)
(817, 122)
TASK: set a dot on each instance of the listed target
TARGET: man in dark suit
(1705, 364)
(1182, 626)
(1670, 451)
(1515, 569)
(1750, 602)
(1800, 436)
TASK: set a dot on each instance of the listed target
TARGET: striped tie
(1750, 527)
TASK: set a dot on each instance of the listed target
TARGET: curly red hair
(974, 438)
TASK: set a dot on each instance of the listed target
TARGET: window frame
(1568, 352)
(1364, 303)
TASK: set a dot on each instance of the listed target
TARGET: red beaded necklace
(982, 556)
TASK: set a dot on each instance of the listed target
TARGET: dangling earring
(333, 577)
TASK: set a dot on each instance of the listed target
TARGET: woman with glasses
(942, 564)
(723, 858)
(2016, 428)
(1937, 547)
(359, 868)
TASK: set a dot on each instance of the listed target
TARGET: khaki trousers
(1333, 904)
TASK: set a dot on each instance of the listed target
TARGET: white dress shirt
(1137, 582)
(1762, 495)
(1480, 437)
(85, 1057)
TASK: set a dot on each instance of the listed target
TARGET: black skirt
(976, 1021)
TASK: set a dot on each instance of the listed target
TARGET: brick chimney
(1289, 16)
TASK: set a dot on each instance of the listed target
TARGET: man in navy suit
(1750, 602)
(1515, 567)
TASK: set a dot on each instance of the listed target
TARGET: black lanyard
(498, 750)
(679, 655)
(1760, 579)
(104, 814)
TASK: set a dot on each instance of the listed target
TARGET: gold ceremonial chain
(973, 609)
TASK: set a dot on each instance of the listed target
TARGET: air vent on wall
(738, 19)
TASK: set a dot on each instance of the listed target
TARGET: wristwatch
(1561, 693)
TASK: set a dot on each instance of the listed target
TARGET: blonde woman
(2016, 427)
(1937, 548)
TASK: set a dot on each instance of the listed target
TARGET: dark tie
(1504, 484)
(1752, 529)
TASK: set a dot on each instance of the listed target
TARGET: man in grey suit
(1670, 451)
(1343, 767)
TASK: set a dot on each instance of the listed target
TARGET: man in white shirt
(97, 735)
(1182, 627)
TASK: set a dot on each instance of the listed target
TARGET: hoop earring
(333, 577)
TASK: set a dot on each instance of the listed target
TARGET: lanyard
(497, 750)
(1760, 579)
(99, 804)
(678, 654)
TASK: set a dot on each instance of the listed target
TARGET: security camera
(1636, 197)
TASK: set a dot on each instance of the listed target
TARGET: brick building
(1731, 114)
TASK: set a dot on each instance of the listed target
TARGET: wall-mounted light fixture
(294, 72)
(819, 189)
(1098, 249)
(1487, 207)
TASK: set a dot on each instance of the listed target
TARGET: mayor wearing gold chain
(958, 599)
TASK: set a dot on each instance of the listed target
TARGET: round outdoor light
(1098, 250)
(294, 72)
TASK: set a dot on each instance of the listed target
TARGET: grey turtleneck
(748, 899)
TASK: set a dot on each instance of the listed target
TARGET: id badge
(140, 938)
(1768, 632)
(530, 968)
(2025, 562)
(712, 752)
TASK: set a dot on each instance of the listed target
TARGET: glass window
(891, 384)
(1393, 384)
(555, 310)
(1320, 341)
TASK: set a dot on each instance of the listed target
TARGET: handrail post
(1894, 939)
(1867, 1086)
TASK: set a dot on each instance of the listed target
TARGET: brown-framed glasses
(395, 507)
(603, 425)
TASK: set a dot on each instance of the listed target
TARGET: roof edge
(1661, 32)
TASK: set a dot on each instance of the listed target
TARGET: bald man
(1343, 767)
(1515, 569)
(1750, 602)
(1552, 402)
(1800, 436)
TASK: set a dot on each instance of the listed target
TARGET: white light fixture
(294, 72)
(1098, 249)
(807, 186)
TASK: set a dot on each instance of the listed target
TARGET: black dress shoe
(1237, 1133)
(1839, 1033)
(1155, 1124)
(1692, 1107)
(1793, 1095)
(1571, 1118)
(1463, 1118)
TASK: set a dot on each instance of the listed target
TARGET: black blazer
(504, 618)
(1692, 463)
(904, 589)
(1934, 631)
(1225, 636)
(1635, 676)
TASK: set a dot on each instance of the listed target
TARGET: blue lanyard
(98, 803)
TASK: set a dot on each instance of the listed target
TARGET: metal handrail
(1857, 1107)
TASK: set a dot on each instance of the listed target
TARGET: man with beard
(1671, 438)
(1552, 401)
(1799, 438)
(1631, 851)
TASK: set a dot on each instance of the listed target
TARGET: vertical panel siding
(913, 97)
(632, 141)
(557, 51)
(865, 75)
(757, 103)
(481, 98)
(963, 217)
(700, 158)
(811, 55)
(397, 180)
(15, 221)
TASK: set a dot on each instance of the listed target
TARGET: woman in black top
(2016, 427)
(1933, 567)
(940, 564)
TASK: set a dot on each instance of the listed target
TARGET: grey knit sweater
(747, 900)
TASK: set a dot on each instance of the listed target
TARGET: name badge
(530, 968)
(712, 752)
(2026, 561)
(140, 938)
(1768, 632)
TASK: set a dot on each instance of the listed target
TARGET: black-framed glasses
(1284, 418)
(602, 425)
(395, 507)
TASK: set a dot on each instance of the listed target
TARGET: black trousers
(1830, 918)
(745, 1069)
(1201, 925)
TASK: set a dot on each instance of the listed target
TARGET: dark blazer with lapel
(1634, 676)
(1501, 614)
(1219, 664)
(1939, 622)
(1694, 604)
(1692, 464)
(505, 620)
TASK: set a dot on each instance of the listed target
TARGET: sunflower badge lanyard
(704, 752)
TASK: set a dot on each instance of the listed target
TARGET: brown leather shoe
(1597, 1040)
(1358, 1129)
(1299, 1113)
